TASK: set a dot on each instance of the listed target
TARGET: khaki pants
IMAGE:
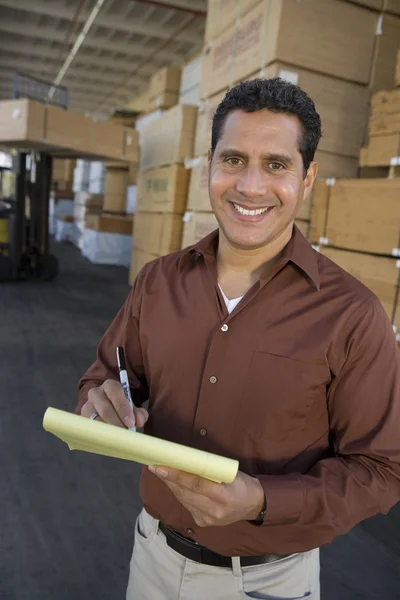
(159, 573)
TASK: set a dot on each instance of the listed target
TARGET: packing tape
(330, 181)
(379, 30)
(187, 217)
(191, 163)
(323, 241)
(395, 161)
(396, 252)
(316, 247)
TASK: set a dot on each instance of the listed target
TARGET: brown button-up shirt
(302, 387)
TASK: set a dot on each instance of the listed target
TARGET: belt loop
(236, 567)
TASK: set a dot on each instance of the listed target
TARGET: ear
(310, 178)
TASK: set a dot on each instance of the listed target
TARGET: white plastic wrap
(131, 199)
(107, 248)
(65, 231)
(58, 209)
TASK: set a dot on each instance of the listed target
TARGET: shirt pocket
(279, 393)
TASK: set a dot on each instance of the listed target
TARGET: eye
(233, 161)
(275, 166)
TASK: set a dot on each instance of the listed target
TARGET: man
(252, 345)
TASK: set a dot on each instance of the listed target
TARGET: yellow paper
(101, 438)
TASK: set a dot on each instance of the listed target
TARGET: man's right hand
(110, 403)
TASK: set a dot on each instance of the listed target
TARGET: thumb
(141, 416)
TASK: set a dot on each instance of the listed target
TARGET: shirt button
(190, 531)
(203, 432)
(224, 327)
(213, 379)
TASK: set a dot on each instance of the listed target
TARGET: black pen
(123, 377)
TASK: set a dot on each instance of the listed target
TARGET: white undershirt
(230, 304)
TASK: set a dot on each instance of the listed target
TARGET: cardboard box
(62, 174)
(108, 138)
(198, 198)
(329, 165)
(205, 116)
(384, 125)
(68, 129)
(380, 150)
(109, 223)
(21, 120)
(191, 74)
(357, 214)
(391, 6)
(116, 183)
(167, 79)
(222, 14)
(164, 100)
(385, 102)
(133, 171)
(131, 145)
(138, 260)
(343, 107)
(169, 139)
(163, 189)
(385, 52)
(158, 233)
(378, 273)
(330, 37)
(197, 225)
(374, 4)
(397, 73)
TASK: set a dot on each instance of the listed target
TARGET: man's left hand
(210, 503)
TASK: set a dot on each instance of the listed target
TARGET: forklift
(25, 254)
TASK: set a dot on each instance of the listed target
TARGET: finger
(87, 411)
(141, 416)
(116, 395)
(102, 405)
(197, 484)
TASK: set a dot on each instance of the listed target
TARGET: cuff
(285, 496)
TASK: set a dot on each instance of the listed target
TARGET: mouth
(250, 214)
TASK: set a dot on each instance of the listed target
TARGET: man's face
(256, 180)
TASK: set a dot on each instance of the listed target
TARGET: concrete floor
(67, 518)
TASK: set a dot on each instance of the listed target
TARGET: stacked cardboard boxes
(336, 51)
(356, 222)
(384, 130)
(397, 74)
(162, 185)
(62, 177)
(164, 88)
(189, 92)
(31, 124)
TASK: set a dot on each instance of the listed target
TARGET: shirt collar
(298, 251)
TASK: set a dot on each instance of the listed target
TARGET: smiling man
(252, 345)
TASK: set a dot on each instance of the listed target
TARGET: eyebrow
(272, 156)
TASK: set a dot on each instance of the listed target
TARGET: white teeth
(251, 213)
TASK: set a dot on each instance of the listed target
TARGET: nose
(252, 182)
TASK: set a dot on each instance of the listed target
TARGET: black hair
(278, 96)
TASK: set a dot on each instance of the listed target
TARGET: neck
(250, 261)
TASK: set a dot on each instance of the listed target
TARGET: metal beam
(95, 76)
(91, 95)
(132, 25)
(83, 60)
(28, 30)
(82, 76)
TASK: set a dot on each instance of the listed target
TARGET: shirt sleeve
(363, 478)
(123, 331)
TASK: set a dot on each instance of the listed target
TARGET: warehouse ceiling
(127, 42)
